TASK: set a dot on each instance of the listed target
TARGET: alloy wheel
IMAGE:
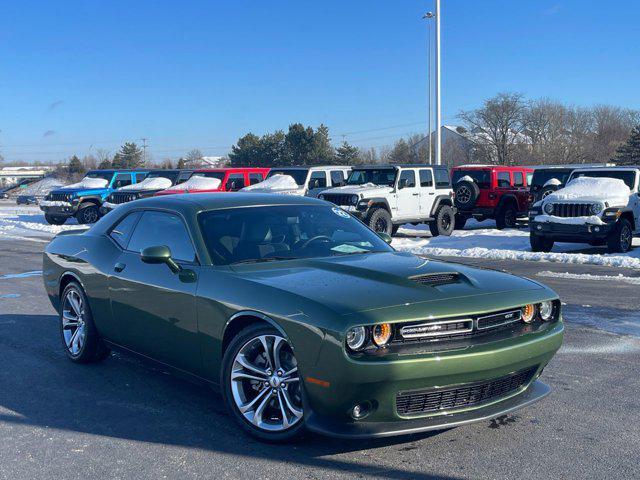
(73, 322)
(463, 194)
(381, 225)
(265, 384)
(90, 215)
(625, 238)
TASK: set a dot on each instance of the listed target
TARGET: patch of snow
(587, 276)
(88, 183)
(28, 223)
(155, 183)
(196, 183)
(54, 203)
(466, 178)
(592, 220)
(110, 205)
(40, 188)
(552, 182)
(613, 190)
(276, 182)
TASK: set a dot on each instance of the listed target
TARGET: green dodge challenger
(301, 315)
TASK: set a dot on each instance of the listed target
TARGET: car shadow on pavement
(126, 398)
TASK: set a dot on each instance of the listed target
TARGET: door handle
(118, 267)
(432, 193)
(415, 194)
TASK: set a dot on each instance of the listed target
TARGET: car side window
(426, 178)
(504, 180)
(160, 228)
(235, 182)
(318, 180)
(183, 177)
(122, 180)
(122, 231)
(529, 177)
(141, 176)
(337, 178)
(518, 179)
(255, 178)
(442, 178)
(408, 178)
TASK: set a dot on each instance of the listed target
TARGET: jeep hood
(366, 190)
(79, 191)
(612, 191)
(380, 285)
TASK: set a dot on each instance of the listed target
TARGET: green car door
(153, 306)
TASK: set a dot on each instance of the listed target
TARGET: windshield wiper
(265, 259)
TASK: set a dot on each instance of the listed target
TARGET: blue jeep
(83, 199)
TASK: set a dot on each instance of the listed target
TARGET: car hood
(367, 190)
(79, 191)
(377, 281)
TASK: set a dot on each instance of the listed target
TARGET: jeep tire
(54, 219)
(540, 243)
(506, 216)
(444, 221)
(621, 237)
(466, 194)
(379, 220)
(88, 213)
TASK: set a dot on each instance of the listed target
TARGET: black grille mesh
(571, 209)
(122, 197)
(435, 400)
(59, 197)
(338, 199)
(437, 279)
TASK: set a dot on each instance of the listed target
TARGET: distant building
(213, 162)
(14, 175)
(458, 145)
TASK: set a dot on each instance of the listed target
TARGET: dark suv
(489, 191)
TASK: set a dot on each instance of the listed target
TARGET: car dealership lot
(127, 418)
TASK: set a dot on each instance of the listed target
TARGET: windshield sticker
(341, 213)
(346, 248)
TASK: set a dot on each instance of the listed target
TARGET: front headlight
(546, 310)
(528, 313)
(597, 208)
(381, 334)
(354, 199)
(356, 338)
(548, 209)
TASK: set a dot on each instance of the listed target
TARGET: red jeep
(209, 180)
(487, 191)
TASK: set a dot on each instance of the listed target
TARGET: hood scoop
(437, 279)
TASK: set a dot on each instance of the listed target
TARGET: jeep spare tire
(466, 194)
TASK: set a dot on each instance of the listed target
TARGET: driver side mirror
(160, 254)
(386, 237)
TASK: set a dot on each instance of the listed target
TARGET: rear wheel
(540, 243)
(54, 219)
(261, 384)
(379, 220)
(621, 238)
(466, 194)
(88, 213)
(444, 221)
(506, 216)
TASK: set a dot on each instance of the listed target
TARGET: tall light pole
(428, 16)
(144, 150)
(438, 102)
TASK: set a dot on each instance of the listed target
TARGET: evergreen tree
(323, 152)
(245, 152)
(629, 152)
(105, 164)
(129, 156)
(182, 163)
(299, 144)
(75, 166)
(401, 152)
(347, 154)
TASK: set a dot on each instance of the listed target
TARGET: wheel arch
(65, 279)
(508, 199)
(628, 215)
(441, 200)
(378, 202)
(242, 320)
(97, 201)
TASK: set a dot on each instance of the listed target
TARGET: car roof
(113, 170)
(227, 169)
(397, 165)
(608, 169)
(178, 170)
(313, 167)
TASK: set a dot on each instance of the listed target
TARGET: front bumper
(560, 232)
(59, 209)
(378, 381)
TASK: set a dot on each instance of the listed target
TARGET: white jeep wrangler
(387, 196)
(304, 181)
(599, 206)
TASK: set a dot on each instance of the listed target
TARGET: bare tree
(194, 158)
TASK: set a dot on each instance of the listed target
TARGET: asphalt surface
(127, 419)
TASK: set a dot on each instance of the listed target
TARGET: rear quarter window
(121, 232)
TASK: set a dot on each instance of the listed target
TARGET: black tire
(394, 230)
(243, 338)
(88, 213)
(621, 238)
(540, 243)
(444, 221)
(379, 220)
(461, 221)
(466, 194)
(54, 219)
(506, 216)
(92, 348)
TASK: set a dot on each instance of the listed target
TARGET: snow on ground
(480, 240)
(588, 276)
(27, 222)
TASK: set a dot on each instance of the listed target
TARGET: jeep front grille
(435, 400)
(571, 209)
(122, 197)
(437, 279)
(59, 197)
(338, 199)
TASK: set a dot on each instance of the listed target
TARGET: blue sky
(77, 76)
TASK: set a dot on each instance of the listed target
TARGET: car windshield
(542, 176)
(481, 177)
(218, 175)
(377, 176)
(628, 177)
(104, 175)
(173, 176)
(283, 232)
(298, 174)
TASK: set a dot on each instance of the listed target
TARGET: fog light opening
(361, 410)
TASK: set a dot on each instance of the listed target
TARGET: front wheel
(379, 220)
(444, 221)
(506, 217)
(540, 244)
(261, 384)
(88, 213)
(621, 238)
(54, 219)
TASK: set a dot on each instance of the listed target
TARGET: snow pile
(276, 182)
(591, 220)
(587, 276)
(88, 183)
(41, 187)
(53, 203)
(28, 223)
(198, 183)
(552, 182)
(466, 178)
(155, 183)
(613, 190)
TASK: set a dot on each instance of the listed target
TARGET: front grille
(59, 197)
(122, 197)
(571, 209)
(464, 396)
(338, 199)
(499, 319)
(437, 279)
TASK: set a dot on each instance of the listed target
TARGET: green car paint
(186, 320)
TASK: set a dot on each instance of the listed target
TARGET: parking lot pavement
(128, 419)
